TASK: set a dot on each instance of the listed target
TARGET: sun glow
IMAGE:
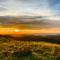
(16, 30)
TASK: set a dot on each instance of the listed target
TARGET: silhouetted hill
(47, 38)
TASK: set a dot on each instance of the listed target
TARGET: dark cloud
(30, 21)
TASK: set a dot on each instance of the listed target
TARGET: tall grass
(25, 50)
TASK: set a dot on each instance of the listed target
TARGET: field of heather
(28, 50)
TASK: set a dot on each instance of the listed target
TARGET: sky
(14, 31)
(49, 8)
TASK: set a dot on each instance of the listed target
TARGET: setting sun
(16, 30)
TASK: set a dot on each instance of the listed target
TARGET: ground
(29, 50)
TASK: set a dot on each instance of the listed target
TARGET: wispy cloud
(49, 8)
(2, 9)
(33, 7)
(3, 0)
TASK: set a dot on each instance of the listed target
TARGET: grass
(25, 50)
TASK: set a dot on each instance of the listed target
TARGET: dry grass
(40, 50)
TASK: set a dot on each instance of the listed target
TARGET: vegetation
(28, 50)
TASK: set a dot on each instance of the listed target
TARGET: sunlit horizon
(15, 31)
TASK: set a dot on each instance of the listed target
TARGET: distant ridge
(48, 38)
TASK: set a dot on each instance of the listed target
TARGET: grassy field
(29, 50)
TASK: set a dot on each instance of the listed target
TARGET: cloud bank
(48, 8)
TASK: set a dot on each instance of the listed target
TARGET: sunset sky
(48, 12)
(14, 31)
